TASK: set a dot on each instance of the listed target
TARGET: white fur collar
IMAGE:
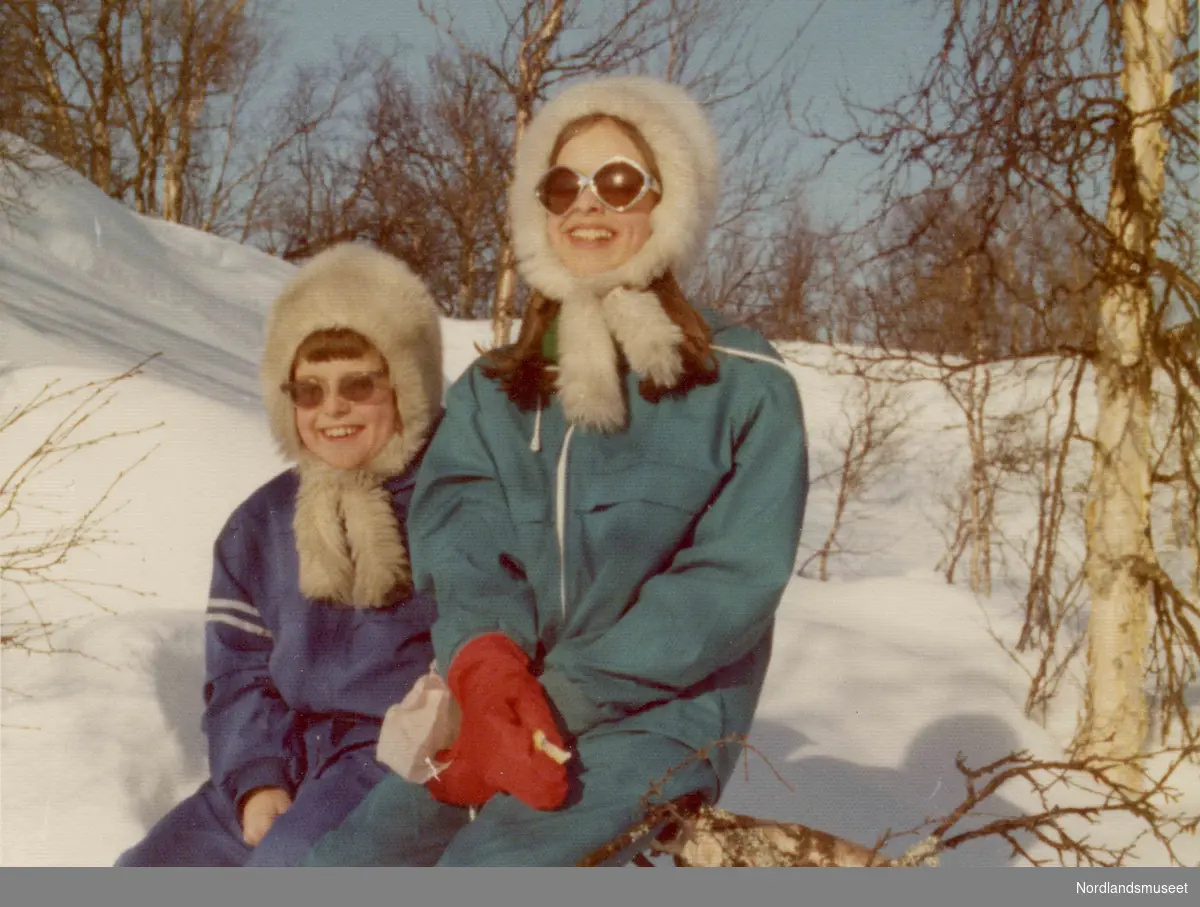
(590, 330)
(348, 538)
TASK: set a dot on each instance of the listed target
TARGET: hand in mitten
(507, 733)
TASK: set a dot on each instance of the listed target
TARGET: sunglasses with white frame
(605, 182)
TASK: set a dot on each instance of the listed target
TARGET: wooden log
(715, 837)
(694, 833)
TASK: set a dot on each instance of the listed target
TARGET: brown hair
(329, 344)
(583, 124)
(521, 368)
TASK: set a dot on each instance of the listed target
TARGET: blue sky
(866, 46)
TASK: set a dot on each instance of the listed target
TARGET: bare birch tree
(1118, 515)
(707, 46)
(531, 58)
(307, 159)
(784, 292)
(1068, 103)
(463, 142)
(119, 89)
(876, 420)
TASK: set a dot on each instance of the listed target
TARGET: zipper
(560, 517)
(535, 441)
(560, 478)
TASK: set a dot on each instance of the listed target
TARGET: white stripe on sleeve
(232, 604)
(244, 625)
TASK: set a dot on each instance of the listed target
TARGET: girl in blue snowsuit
(313, 630)
(609, 513)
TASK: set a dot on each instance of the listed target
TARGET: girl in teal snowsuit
(608, 514)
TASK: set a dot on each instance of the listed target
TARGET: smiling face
(590, 238)
(342, 433)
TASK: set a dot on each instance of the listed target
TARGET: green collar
(550, 341)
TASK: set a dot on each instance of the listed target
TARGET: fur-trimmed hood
(605, 311)
(685, 149)
(349, 541)
(358, 287)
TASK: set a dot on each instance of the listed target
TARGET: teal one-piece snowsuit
(641, 570)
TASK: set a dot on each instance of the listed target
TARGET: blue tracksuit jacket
(295, 690)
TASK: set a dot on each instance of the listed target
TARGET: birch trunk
(148, 150)
(184, 110)
(1118, 510)
(978, 387)
(67, 145)
(506, 271)
(506, 292)
(100, 165)
(532, 64)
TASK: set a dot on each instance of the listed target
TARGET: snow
(880, 676)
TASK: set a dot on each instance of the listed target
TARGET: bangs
(334, 343)
(584, 123)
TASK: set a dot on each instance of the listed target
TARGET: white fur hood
(685, 149)
(355, 286)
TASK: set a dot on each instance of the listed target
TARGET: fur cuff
(648, 337)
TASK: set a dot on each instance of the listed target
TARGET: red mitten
(503, 707)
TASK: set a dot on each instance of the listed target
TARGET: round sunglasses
(619, 183)
(357, 387)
